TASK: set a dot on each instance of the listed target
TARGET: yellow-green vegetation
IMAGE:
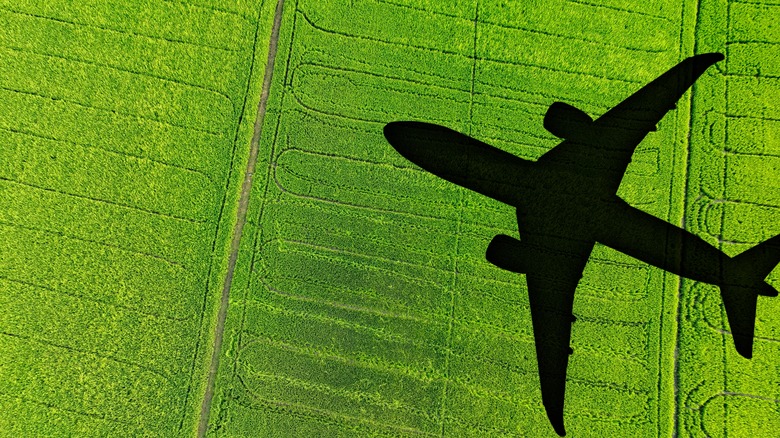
(125, 129)
(362, 303)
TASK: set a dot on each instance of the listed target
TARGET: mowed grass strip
(119, 176)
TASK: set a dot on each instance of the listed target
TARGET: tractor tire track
(243, 203)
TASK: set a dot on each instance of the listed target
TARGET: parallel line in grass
(248, 19)
(265, 405)
(94, 353)
(440, 85)
(719, 200)
(615, 8)
(428, 85)
(375, 399)
(388, 260)
(642, 358)
(343, 306)
(750, 154)
(449, 52)
(444, 121)
(112, 111)
(54, 407)
(748, 75)
(421, 9)
(523, 29)
(359, 254)
(579, 2)
(437, 320)
(481, 392)
(389, 367)
(356, 189)
(377, 62)
(95, 242)
(103, 201)
(378, 221)
(571, 37)
(427, 377)
(357, 206)
(380, 111)
(410, 278)
(608, 385)
(740, 394)
(405, 245)
(340, 70)
(113, 30)
(346, 252)
(759, 3)
(543, 106)
(325, 416)
(345, 324)
(348, 204)
(109, 151)
(570, 98)
(87, 298)
(339, 74)
(753, 42)
(760, 118)
(125, 70)
(469, 325)
(477, 229)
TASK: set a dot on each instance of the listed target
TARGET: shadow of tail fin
(742, 287)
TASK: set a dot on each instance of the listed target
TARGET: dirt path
(243, 202)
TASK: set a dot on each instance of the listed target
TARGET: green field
(123, 149)
(362, 304)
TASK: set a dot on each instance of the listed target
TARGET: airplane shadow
(566, 201)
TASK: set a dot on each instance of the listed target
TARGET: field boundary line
(241, 213)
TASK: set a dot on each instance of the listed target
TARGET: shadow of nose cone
(435, 148)
(408, 137)
(396, 133)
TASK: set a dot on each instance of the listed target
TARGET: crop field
(123, 145)
(361, 303)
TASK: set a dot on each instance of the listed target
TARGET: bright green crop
(362, 303)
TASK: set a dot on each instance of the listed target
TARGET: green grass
(362, 304)
(121, 160)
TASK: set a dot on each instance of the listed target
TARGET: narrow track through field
(243, 202)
